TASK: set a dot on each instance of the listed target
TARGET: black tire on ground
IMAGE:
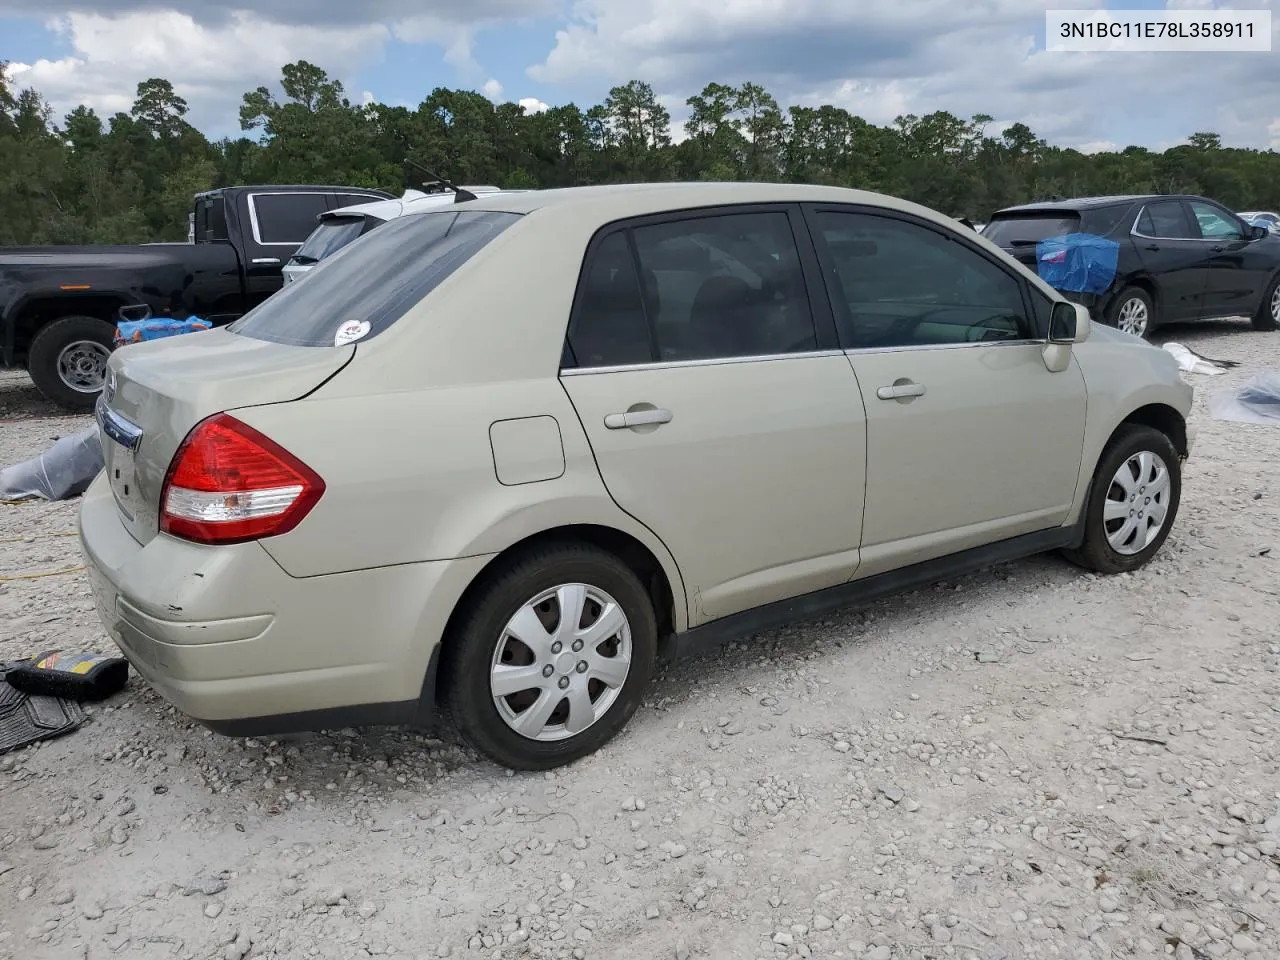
(1118, 305)
(1268, 315)
(1096, 552)
(68, 335)
(470, 649)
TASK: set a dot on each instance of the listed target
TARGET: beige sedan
(500, 457)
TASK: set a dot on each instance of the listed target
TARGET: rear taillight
(228, 483)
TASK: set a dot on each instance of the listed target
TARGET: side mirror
(1069, 323)
(1257, 232)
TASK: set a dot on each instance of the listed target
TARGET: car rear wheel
(1133, 312)
(550, 660)
(68, 360)
(1268, 315)
(1132, 502)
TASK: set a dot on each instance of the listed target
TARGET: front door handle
(1153, 247)
(636, 418)
(271, 260)
(901, 391)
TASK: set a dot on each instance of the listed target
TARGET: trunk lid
(157, 391)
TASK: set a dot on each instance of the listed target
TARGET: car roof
(615, 201)
(292, 188)
(1077, 204)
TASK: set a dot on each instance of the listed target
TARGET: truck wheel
(68, 360)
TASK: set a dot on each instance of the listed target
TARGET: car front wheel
(551, 658)
(1132, 502)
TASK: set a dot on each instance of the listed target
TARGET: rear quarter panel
(410, 477)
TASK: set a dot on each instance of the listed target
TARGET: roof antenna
(459, 194)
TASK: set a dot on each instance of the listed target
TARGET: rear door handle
(266, 260)
(636, 418)
(1218, 249)
(1153, 247)
(900, 391)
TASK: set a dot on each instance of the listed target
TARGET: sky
(877, 58)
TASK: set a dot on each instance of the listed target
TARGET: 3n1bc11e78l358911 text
(1158, 30)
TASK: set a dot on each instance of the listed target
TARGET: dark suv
(1141, 261)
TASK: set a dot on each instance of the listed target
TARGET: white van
(337, 228)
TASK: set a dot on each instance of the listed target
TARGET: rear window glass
(377, 280)
(1028, 230)
(327, 239)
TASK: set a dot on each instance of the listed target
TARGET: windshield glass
(1029, 229)
(332, 235)
(376, 281)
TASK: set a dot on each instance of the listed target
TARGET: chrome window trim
(705, 362)
(858, 351)
(767, 358)
(1134, 232)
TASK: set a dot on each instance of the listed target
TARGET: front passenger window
(905, 285)
(1214, 224)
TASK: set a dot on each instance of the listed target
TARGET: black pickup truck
(59, 305)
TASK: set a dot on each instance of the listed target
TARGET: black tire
(1267, 318)
(471, 647)
(1096, 552)
(47, 349)
(1118, 305)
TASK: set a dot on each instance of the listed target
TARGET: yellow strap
(36, 576)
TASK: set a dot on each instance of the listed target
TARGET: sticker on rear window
(350, 332)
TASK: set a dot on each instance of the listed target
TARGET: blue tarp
(153, 328)
(1078, 262)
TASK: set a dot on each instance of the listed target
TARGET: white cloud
(533, 105)
(915, 56)
(1098, 146)
(210, 66)
(492, 89)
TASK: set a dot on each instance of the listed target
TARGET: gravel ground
(1026, 763)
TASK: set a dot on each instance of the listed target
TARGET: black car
(59, 304)
(1175, 258)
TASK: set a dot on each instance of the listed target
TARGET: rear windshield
(1026, 230)
(332, 235)
(376, 281)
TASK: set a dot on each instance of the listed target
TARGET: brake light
(228, 483)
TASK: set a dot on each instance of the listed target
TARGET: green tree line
(130, 177)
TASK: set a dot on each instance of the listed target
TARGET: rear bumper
(230, 639)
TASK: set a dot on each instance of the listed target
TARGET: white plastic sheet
(62, 472)
(1258, 401)
(1191, 362)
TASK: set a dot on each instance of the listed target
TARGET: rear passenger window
(725, 286)
(285, 217)
(609, 328)
(707, 288)
(905, 285)
(1166, 220)
(352, 199)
